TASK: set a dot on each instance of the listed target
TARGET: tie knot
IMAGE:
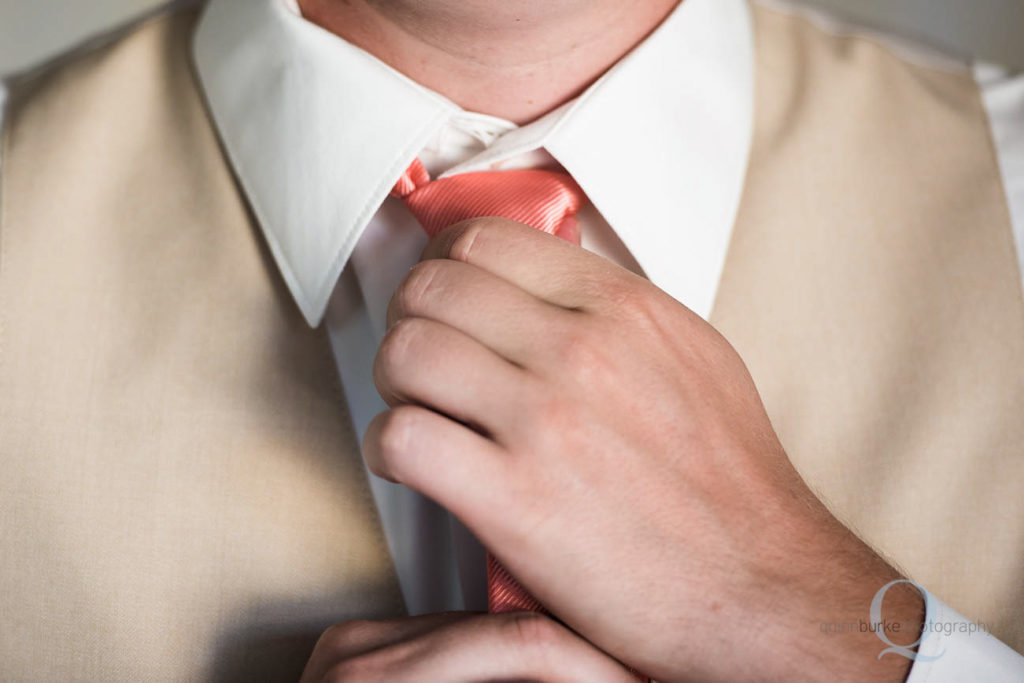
(542, 199)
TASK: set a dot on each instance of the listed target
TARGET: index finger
(512, 646)
(350, 639)
(550, 268)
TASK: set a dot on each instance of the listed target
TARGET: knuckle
(418, 285)
(630, 300)
(347, 633)
(557, 418)
(397, 434)
(573, 335)
(399, 344)
(583, 352)
(467, 238)
(625, 297)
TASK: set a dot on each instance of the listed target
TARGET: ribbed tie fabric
(538, 198)
(541, 199)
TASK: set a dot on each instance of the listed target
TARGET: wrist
(849, 608)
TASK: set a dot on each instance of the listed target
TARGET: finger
(440, 458)
(550, 268)
(516, 646)
(497, 313)
(353, 638)
(429, 363)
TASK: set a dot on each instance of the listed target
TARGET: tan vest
(181, 495)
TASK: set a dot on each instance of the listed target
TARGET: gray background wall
(31, 30)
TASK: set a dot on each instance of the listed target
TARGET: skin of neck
(516, 59)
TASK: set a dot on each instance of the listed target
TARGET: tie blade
(505, 594)
(545, 200)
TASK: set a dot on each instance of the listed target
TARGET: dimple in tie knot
(545, 200)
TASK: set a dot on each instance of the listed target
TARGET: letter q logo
(902, 650)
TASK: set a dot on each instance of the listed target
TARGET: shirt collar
(318, 131)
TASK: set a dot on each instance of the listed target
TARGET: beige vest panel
(872, 288)
(182, 495)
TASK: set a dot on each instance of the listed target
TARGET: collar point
(312, 312)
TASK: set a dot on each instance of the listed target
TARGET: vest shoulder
(116, 124)
(149, 48)
(817, 58)
(843, 38)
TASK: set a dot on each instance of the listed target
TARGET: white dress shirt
(318, 131)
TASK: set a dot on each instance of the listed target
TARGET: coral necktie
(545, 200)
(538, 198)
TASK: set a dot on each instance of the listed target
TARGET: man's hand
(610, 448)
(459, 647)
